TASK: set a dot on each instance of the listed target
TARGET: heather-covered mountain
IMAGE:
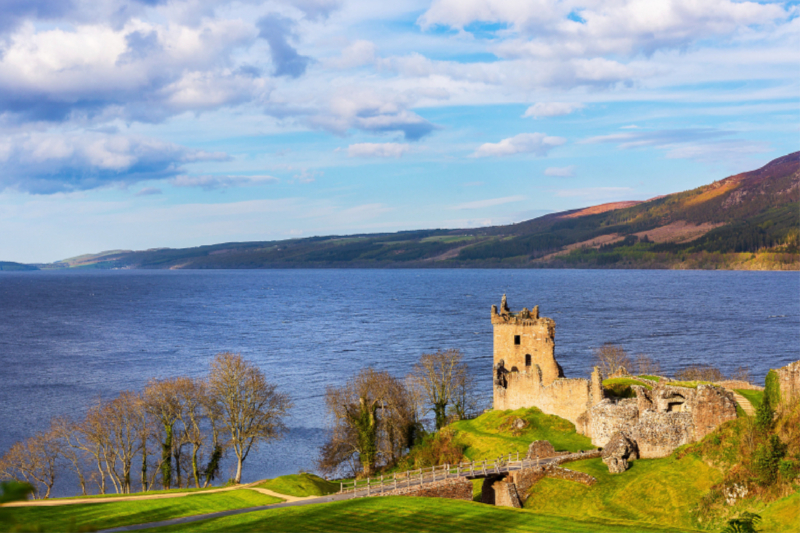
(747, 221)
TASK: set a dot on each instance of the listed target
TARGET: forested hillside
(748, 221)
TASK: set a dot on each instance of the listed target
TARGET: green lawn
(112, 514)
(491, 434)
(782, 516)
(659, 491)
(300, 485)
(405, 514)
(752, 396)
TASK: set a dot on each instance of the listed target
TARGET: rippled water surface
(67, 338)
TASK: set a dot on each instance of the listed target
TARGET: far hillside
(747, 221)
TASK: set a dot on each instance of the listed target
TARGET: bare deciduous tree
(443, 380)
(700, 373)
(33, 460)
(612, 358)
(646, 366)
(252, 408)
(68, 437)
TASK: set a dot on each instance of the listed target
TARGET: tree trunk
(144, 464)
(238, 478)
(195, 471)
(166, 458)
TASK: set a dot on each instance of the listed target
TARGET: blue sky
(153, 123)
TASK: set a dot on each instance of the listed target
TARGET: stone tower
(524, 356)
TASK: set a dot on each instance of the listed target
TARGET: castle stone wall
(453, 489)
(789, 380)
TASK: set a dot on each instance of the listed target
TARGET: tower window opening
(516, 340)
(528, 360)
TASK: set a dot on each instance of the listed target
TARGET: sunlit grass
(405, 514)
(114, 514)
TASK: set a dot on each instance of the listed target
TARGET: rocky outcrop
(619, 450)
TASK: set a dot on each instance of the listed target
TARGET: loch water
(70, 337)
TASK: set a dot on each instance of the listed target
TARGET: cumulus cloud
(551, 109)
(354, 55)
(537, 144)
(45, 163)
(560, 172)
(142, 72)
(626, 27)
(377, 150)
(277, 31)
(371, 111)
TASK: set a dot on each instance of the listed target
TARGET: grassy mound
(300, 485)
(621, 387)
(403, 514)
(92, 516)
(492, 434)
(658, 491)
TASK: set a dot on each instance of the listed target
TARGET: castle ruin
(660, 418)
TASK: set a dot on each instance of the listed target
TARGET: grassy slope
(114, 514)
(300, 485)
(782, 516)
(490, 435)
(752, 396)
(660, 491)
(403, 514)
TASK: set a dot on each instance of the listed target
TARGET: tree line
(376, 418)
(176, 432)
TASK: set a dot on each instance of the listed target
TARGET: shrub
(700, 373)
(767, 460)
(772, 389)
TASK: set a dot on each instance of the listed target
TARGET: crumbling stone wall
(609, 417)
(661, 419)
(789, 380)
(710, 406)
(453, 489)
(541, 449)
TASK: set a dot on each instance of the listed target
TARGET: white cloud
(619, 27)
(49, 162)
(551, 109)
(537, 144)
(560, 172)
(377, 150)
(357, 54)
(480, 204)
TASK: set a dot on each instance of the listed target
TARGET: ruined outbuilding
(658, 420)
